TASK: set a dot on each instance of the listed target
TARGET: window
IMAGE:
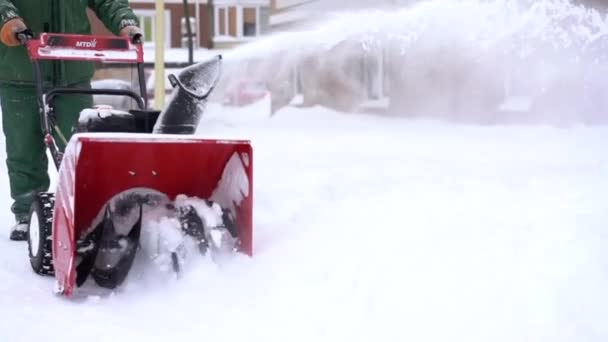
(373, 74)
(250, 21)
(223, 22)
(296, 80)
(147, 25)
(237, 21)
(147, 19)
(184, 32)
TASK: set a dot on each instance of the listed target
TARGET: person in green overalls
(25, 150)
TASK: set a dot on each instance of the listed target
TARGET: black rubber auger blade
(115, 276)
(193, 226)
(89, 248)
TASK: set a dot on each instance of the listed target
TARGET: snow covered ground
(371, 228)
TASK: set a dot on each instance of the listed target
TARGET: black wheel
(39, 234)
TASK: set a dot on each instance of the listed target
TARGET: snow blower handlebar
(78, 47)
(75, 47)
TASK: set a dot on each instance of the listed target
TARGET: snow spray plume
(468, 60)
(191, 89)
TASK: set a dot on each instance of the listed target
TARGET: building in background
(237, 22)
(216, 24)
(200, 12)
(288, 14)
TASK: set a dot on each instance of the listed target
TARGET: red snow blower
(126, 175)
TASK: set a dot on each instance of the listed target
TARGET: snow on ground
(381, 228)
(371, 228)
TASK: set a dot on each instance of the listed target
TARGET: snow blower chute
(125, 176)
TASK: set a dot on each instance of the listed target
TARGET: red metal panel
(63, 221)
(104, 166)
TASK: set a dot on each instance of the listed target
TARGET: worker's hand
(10, 30)
(134, 33)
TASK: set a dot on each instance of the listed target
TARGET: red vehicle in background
(244, 92)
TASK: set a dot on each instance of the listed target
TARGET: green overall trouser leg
(26, 160)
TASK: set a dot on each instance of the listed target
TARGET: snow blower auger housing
(127, 178)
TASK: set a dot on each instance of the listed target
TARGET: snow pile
(161, 239)
(210, 213)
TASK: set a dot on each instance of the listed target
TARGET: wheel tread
(44, 205)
